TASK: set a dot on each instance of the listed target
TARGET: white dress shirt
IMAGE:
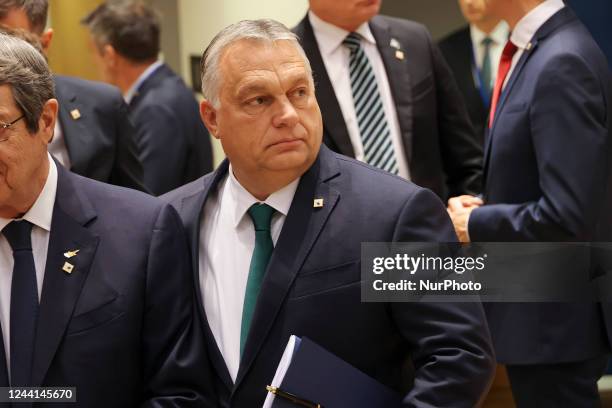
(527, 27)
(336, 59)
(39, 215)
(57, 147)
(499, 36)
(131, 93)
(227, 241)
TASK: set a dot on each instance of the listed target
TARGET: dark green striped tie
(371, 119)
(261, 214)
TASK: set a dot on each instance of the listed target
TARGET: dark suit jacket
(100, 143)
(314, 291)
(549, 178)
(438, 137)
(458, 50)
(119, 328)
(174, 145)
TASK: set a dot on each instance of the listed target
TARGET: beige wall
(70, 53)
(200, 20)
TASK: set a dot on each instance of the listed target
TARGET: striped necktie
(373, 126)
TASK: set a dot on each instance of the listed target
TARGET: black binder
(315, 375)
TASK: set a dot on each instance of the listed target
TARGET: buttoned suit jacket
(119, 327)
(312, 288)
(548, 177)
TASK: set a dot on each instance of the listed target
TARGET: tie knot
(487, 41)
(17, 234)
(509, 50)
(352, 42)
(261, 214)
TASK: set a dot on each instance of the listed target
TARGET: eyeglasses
(5, 126)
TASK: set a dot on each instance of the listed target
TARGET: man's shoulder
(165, 87)
(401, 24)
(375, 185)
(176, 196)
(70, 86)
(110, 201)
(456, 38)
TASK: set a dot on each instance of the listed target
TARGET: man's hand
(459, 209)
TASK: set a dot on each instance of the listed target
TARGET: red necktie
(504, 67)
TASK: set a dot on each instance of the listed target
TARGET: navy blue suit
(312, 288)
(548, 177)
(101, 142)
(120, 327)
(173, 143)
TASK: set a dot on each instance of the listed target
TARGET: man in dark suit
(93, 136)
(548, 178)
(174, 145)
(473, 54)
(385, 90)
(276, 234)
(95, 286)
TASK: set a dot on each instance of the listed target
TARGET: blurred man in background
(174, 145)
(473, 54)
(388, 97)
(93, 136)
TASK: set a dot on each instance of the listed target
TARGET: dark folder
(319, 376)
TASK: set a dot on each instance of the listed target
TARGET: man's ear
(46, 123)
(208, 113)
(45, 40)
(109, 54)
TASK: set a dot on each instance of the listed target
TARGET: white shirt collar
(499, 35)
(129, 95)
(41, 213)
(280, 200)
(530, 23)
(330, 37)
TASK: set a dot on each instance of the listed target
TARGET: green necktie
(261, 214)
(486, 70)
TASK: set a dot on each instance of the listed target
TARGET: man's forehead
(250, 55)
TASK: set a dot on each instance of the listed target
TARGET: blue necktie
(24, 303)
(373, 126)
(486, 70)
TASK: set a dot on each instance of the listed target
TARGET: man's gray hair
(265, 30)
(25, 70)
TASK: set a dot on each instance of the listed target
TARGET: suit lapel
(333, 120)
(397, 74)
(191, 211)
(61, 290)
(300, 231)
(502, 101)
(562, 17)
(77, 135)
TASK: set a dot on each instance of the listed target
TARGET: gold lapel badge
(399, 54)
(75, 113)
(68, 267)
(70, 254)
(318, 203)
